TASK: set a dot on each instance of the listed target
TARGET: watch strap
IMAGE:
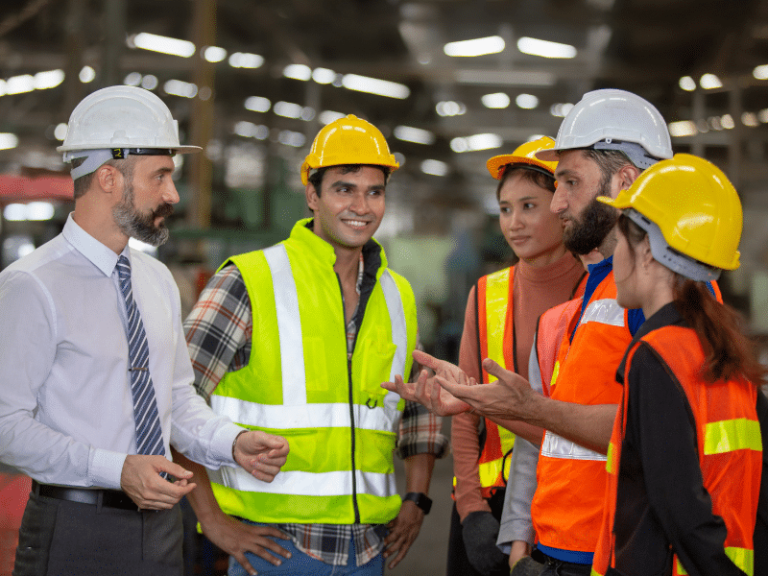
(420, 499)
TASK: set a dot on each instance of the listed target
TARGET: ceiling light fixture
(415, 135)
(214, 54)
(687, 83)
(434, 167)
(180, 88)
(545, 48)
(8, 140)
(257, 104)
(162, 44)
(297, 72)
(375, 86)
(495, 101)
(526, 101)
(245, 60)
(710, 81)
(476, 142)
(475, 47)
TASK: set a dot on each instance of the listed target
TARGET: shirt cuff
(106, 468)
(221, 445)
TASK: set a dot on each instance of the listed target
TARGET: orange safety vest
(496, 334)
(551, 328)
(729, 446)
(567, 506)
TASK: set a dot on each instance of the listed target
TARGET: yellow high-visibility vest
(340, 424)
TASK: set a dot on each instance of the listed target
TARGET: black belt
(108, 498)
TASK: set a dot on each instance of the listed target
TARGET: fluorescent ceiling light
(20, 84)
(49, 79)
(323, 75)
(287, 109)
(214, 54)
(163, 44)
(710, 81)
(416, 135)
(545, 48)
(763, 115)
(297, 72)
(180, 88)
(133, 79)
(15, 212)
(245, 60)
(8, 140)
(560, 110)
(495, 101)
(60, 132)
(328, 116)
(477, 142)
(687, 83)
(434, 167)
(450, 108)
(475, 47)
(505, 77)
(760, 72)
(727, 122)
(87, 74)
(290, 138)
(749, 119)
(3, 87)
(250, 130)
(257, 104)
(682, 128)
(526, 101)
(149, 82)
(375, 86)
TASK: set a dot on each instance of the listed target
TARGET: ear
(312, 198)
(644, 253)
(108, 178)
(626, 175)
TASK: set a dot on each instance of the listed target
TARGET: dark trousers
(62, 538)
(458, 563)
(555, 567)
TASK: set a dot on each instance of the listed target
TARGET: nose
(170, 194)
(516, 220)
(559, 203)
(359, 204)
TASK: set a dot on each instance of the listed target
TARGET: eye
(505, 210)
(529, 206)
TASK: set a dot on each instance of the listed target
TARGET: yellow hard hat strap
(668, 256)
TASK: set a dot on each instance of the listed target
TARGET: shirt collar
(101, 256)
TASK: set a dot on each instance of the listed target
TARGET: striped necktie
(149, 436)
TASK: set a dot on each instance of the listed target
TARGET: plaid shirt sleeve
(218, 330)
(419, 433)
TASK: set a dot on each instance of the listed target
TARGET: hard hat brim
(176, 149)
(496, 164)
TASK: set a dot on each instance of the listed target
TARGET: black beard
(141, 226)
(591, 229)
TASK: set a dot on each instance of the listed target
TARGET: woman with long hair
(685, 457)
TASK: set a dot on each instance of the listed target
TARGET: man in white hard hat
(603, 145)
(297, 338)
(96, 382)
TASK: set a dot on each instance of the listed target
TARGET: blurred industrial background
(449, 82)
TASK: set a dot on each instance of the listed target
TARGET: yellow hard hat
(348, 140)
(524, 154)
(693, 204)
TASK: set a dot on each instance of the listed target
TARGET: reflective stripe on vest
(299, 383)
(495, 341)
(742, 557)
(729, 435)
(555, 446)
(605, 311)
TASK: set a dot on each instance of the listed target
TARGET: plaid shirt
(219, 331)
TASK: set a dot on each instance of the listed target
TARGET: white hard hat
(117, 121)
(613, 119)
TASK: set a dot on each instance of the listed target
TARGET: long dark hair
(728, 351)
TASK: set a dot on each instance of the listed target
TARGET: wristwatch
(420, 499)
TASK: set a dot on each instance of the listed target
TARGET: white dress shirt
(66, 409)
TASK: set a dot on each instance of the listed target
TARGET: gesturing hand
(261, 454)
(141, 480)
(425, 391)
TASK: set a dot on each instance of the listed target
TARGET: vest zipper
(351, 404)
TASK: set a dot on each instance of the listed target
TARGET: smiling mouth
(356, 223)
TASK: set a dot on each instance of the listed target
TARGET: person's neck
(347, 264)
(547, 258)
(660, 291)
(594, 257)
(100, 224)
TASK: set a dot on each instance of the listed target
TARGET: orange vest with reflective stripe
(497, 341)
(567, 506)
(729, 446)
(550, 332)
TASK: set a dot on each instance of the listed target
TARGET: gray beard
(134, 224)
